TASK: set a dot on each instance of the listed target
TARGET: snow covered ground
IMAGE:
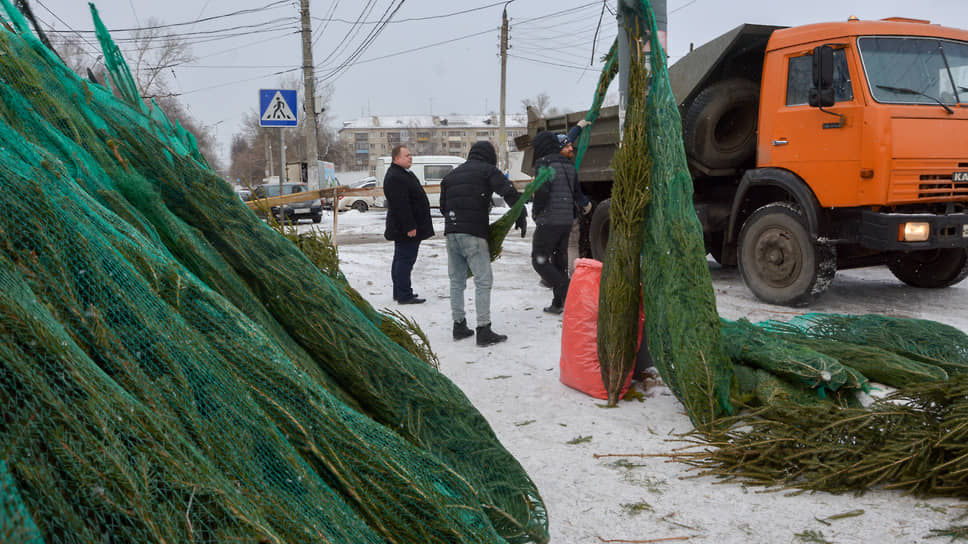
(592, 464)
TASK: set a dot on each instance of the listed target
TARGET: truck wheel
(777, 259)
(931, 268)
(598, 231)
(719, 130)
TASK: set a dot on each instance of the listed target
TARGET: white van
(429, 169)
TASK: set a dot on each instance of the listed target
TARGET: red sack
(579, 364)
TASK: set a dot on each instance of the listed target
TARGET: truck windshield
(915, 70)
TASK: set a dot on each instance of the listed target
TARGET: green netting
(873, 362)
(608, 74)
(16, 525)
(681, 320)
(772, 390)
(172, 369)
(756, 347)
(923, 340)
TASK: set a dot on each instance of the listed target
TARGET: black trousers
(404, 257)
(549, 257)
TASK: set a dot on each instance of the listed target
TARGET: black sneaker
(487, 337)
(461, 330)
(554, 309)
(412, 300)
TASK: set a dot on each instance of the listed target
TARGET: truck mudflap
(879, 231)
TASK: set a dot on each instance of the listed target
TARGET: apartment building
(372, 137)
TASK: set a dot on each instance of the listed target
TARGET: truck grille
(907, 186)
(933, 186)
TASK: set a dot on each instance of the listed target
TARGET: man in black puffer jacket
(465, 203)
(408, 221)
(554, 210)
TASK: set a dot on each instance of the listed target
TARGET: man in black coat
(465, 202)
(554, 210)
(408, 221)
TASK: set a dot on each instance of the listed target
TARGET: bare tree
(79, 59)
(541, 104)
(154, 53)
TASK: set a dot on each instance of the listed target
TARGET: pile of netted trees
(794, 385)
(173, 370)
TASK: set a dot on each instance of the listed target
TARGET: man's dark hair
(395, 152)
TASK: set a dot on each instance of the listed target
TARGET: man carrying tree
(465, 203)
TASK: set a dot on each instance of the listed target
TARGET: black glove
(522, 223)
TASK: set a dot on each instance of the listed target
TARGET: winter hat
(563, 141)
(545, 143)
(483, 151)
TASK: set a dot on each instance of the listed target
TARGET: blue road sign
(277, 108)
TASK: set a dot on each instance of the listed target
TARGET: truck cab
(871, 173)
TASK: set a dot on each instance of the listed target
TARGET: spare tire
(719, 130)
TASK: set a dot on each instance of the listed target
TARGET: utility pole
(501, 133)
(309, 77)
(268, 156)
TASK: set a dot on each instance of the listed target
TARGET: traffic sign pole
(276, 109)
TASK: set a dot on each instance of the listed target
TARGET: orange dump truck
(816, 148)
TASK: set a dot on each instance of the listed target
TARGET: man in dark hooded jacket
(408, 221)
(465, 203)
(554, 210)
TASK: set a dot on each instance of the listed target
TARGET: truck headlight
(914, 232)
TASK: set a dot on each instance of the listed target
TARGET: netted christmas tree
(172, 369)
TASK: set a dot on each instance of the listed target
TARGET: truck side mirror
(822, 92)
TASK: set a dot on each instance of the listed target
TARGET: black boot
(461, 331)
(554, 309)
(487, 337)
(558, 302)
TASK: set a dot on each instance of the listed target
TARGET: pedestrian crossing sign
(277, 107)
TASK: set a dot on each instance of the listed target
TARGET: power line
(466, 36)
(428, 46)
(79, 35)
(368, 41)
(183, 23)
(322, 31)
(571, 66)
(411, 19)
(220, 85)
(137, 35)
(351, 32)
(687, 4)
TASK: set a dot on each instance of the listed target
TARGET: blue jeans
(468, 252)
(404, 257)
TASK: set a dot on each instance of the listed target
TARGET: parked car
(244, 194)
(358, 202)
(293, 211)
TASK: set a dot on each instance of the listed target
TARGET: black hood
(483, 151)
(545, 143)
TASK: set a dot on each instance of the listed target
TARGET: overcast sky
(434, 56)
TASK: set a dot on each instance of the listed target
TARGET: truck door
(824, 149)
